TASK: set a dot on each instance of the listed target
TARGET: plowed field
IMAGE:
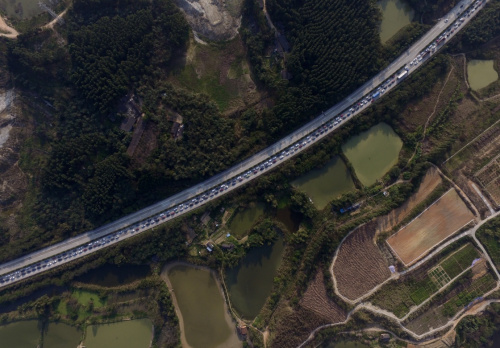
(443, 218)
(430, 181)
(359, 266)
(315, 299)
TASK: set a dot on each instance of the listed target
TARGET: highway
(310, 129)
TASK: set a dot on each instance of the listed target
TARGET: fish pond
(396, 14)
(205, 322)
(244, 218)
(111, 275)
(60, 335)
(373, 153)
(20, 334)
(481, 73)
(251, 281)
(327, 183)
(124, 334)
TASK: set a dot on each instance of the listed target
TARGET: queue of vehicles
(211, 193)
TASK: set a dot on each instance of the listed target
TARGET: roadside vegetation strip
(440, 220)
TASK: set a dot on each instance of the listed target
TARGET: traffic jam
(265, 166)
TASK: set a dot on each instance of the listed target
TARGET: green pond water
(324, 184)
(112, 275)
(250, 283)
(245, 218)
(61, 335)
(373, 153)
(481, 73)
(206, 323)
(21, 8)
(125, 334)
(395, 15)
(20, 334)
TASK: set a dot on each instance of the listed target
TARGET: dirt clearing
(442, 219)
(7, 31)
(430, 181)
(316, 299)
(359, 265)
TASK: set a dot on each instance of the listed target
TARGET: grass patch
(489, 236)
(460, 260)
(85, 297)
(61, 308)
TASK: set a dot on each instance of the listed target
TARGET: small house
(210, 247)
(385, 337)
(242, 330)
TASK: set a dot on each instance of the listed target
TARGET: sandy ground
(233, 341)
(442, 219)
(11, 32)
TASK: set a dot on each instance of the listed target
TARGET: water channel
(373, 153)
(327, 183)
(250, 283)
(481, 73)
(204, 320)
(124, 334)
(20, 8)
(110, 275)
(396, 14)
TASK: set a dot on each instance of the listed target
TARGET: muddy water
(395, 15)
(61, 335)
(245, 218)
(373, 153)
(481, 73)
(20, 334)
(325, 184)
(125, 334)
(205, 322)
(250, 283)
(21, 8)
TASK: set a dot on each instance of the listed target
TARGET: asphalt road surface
(126, 222)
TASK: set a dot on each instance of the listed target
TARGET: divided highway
(247, 170)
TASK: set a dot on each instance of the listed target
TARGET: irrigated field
(443, 218)
(430, 181)
(316, 299)
(359, 266)
(415, 287)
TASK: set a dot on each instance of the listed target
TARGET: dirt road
(7, 31)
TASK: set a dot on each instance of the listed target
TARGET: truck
(375, 95)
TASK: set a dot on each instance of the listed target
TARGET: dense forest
(335, 48)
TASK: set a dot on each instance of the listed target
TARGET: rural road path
(478, 191)
(7, 31)
(51, 24)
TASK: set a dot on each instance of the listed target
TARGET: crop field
(417, 286)
(316, 299)
(359, 266)
(489, 177)
(429, 183)
(462, 296)
(442, 219)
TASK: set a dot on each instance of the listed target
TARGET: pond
(250, 283)
(244, 218)
(21, 8)
(481, 73)
(20, 334)
(204, 320)
(112, 275)
(395, 15)
(124, 334)
(327, 183)
(289, 218)
(373, 153)
(60, 335)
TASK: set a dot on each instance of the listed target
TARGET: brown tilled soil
(446, 216)
(294, 327)
(316, 299)
(359, 266)
(430, 181)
